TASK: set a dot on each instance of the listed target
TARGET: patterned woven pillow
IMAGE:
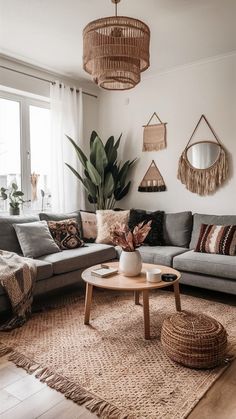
(66, 233)
(217, 239)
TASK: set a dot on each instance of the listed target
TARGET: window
(25, 149)
(10, 162)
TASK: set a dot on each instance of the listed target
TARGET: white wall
(179, 96)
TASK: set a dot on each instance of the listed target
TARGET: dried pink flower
(129, 240)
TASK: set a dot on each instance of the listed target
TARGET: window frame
(24, 117)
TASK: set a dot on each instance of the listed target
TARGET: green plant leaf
(14, 186)
(75, 172)
(100, 156)
(83, 159)
(123, 173)
(111, 153)
(93, 174)
(4, 196)
(118, 142)
(120, 193)
(93, 136)
(92, 200)
(17, 193)
(132, 162)
(109, 146)
(91, 188)
(115, 172)
(108, 185)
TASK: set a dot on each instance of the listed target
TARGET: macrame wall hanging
(203, 165)
(154, 135)
(152, 180)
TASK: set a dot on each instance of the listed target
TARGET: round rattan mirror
(203, 165)
(203, 154)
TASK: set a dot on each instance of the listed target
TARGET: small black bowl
(168, 277)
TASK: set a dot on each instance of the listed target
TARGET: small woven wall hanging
(152, 180)
(154, 135)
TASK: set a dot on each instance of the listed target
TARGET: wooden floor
(22, 396)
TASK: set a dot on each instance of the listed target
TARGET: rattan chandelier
(116, 51)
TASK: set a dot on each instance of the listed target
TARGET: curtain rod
(42, 79)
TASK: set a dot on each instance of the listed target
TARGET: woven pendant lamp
(116, 51)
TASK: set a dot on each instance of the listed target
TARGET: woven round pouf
(194, 340)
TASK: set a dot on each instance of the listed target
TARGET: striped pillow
(217, 239)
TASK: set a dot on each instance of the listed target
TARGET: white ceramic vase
(130, 263)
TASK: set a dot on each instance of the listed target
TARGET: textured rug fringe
(70, 390)
(4, 350)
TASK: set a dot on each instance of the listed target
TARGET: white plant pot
(130, 263)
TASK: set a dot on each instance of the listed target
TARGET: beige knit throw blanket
(17, 277)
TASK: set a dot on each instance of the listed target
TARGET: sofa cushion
(177, 228)
(217, 239)
(159, 255)
(71, 260)
(106, 220)
(208, 264)
(52, 216)
(8, 237)
(66, 233)
(89, 226)
(155, 235)
(199, 219)
(35, 239)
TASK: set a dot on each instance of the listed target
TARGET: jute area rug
(108, 365)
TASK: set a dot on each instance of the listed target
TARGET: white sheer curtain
(66, 118)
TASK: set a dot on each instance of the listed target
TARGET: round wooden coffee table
(136, 284)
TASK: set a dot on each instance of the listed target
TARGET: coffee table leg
(136, 297)
(177, 296)
(88, 301)
(146, 314)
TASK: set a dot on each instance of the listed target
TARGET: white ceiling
(48, 33)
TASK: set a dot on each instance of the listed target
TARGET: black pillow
(155, 235)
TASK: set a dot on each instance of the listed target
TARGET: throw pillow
(89, 226)
(217, 239)
(35, 239)
(106, 219)
(54, 216)
(155, 235)
(66, 233)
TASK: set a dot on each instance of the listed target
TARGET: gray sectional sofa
(57, 270)
(215, 272)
